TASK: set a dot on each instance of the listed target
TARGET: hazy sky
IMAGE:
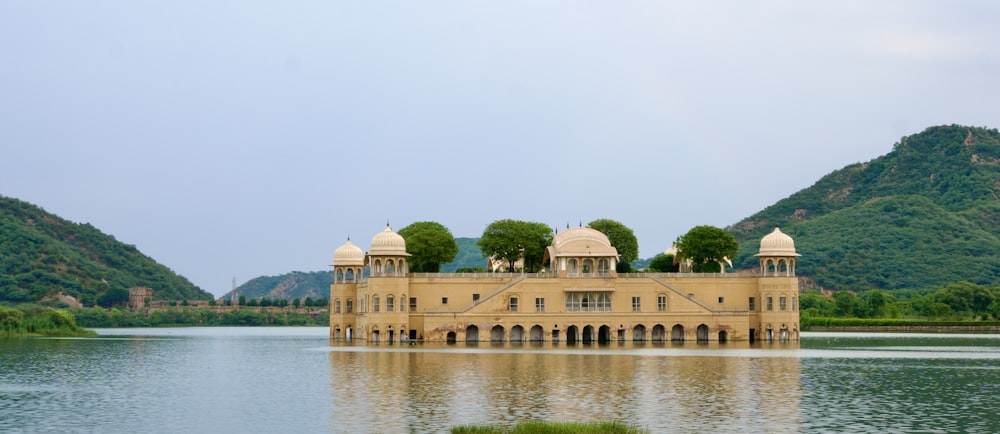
(245, 138)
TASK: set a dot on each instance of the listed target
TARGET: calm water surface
(256, 380)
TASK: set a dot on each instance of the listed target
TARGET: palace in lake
(580, 298)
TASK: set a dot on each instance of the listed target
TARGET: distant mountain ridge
(42, 255)
(923, 215)
(289, 286)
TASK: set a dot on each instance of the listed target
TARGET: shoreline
(906, 328)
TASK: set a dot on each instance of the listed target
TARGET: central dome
(388, 242)
(582, 242)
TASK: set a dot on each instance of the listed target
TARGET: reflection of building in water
(422, 389)
(582, 298)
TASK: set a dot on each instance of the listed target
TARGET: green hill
(290, 286)
(469, 256)
(923, 215)
(42, 255)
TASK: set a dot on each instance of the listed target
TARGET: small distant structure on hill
(141, 297)
(138, 296)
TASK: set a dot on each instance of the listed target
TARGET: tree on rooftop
(706, 247)
(430, 244)
(622, 239)
(508, 240)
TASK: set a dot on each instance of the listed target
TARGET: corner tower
(348, 266)
(778, 288)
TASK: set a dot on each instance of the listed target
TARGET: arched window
(375, 303)
(603, 267)
(390, 304)
(349, 275)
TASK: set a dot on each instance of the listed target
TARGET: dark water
(259, 380)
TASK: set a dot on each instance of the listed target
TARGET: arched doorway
(588, 334)
(660, 333)
(451, 337)
(604, 334)
(677, 333)
(639, 333)
(723, 336)
(517, 334)
(347, 333)
(472, 334)
(497, 333)
(375, 336)
(572, 335)
(537, 334)
(702, 333)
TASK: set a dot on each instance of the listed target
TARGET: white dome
(582, 242)
(388, 242)
(777, 243)
(348, 254)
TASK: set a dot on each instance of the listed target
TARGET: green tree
(706, 247)
(623, 240)
(663, 264)
(844, 302)
(10, 319)
(243, 300)
(296, 303)
(430, 244)
(114, 297)
(508, 240)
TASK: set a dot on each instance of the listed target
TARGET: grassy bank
(539, 427)
(33, 320)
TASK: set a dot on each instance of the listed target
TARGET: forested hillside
(924, 215)
(42, 255)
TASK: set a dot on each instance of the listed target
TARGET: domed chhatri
(388, 242)
(777, 254)
(777, 243)
(578, 298)
(348, 254)
(348, 263)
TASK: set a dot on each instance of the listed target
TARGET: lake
(262, 380)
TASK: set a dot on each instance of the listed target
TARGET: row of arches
(777, 267)
(585, 267)
(588, 334)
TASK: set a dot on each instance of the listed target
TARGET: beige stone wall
(721, 302)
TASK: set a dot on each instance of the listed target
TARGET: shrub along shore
(897, 325)
(34, 320)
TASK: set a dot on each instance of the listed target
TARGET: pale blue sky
(247, 138)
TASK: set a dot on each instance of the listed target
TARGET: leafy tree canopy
(622, 238)
(663, 264)
(430, 244)
(706, 246)
(508, 239)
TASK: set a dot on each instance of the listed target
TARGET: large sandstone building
(580, 298)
